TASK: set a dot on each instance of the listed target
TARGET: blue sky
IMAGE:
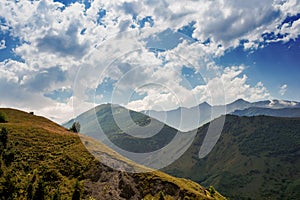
(275, 65)
(59, 58)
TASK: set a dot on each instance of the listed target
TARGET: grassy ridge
(43, 160)
(40, 152)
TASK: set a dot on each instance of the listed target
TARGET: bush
(75, 127)
(212, 190)
(3, 118)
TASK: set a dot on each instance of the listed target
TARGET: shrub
(212, 190)
(75, 127)
(3, 118)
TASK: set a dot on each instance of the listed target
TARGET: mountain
(127, 129)
(42, 160)
(254, 158)
(134, 135)
(187, 119)
(280, 112)
(238, 105)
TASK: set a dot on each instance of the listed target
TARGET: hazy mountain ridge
(43, 160)
(280, 112)
(207, 112)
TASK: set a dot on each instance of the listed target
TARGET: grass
(43, 160)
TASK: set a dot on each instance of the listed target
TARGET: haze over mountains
(186, 119)
(128, 131)
(256, 157)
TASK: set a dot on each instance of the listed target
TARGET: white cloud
(75, 44)
(224, 23)
(229, 86)
(283, 89)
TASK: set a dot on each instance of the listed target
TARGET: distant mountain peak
(204, 104)
(238, 104)
(240, 100)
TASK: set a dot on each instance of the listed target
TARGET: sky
(60, 58)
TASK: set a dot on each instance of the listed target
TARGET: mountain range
(128, 131)
(256, 157)
(186, 119)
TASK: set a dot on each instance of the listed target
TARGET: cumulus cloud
(64, 44)
(43, 79)
(283, 89)
(232, 83)
(77, 47)
(227, 87)
(225, 24)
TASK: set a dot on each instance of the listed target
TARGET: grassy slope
(43, 159)
(255, 158)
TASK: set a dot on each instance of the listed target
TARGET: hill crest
(44, 160)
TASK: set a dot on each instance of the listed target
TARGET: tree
(3, 118)
(212, 190)
(75, 127)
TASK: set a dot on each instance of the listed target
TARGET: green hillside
(42, 160)
(255, 158)
(102, 119)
